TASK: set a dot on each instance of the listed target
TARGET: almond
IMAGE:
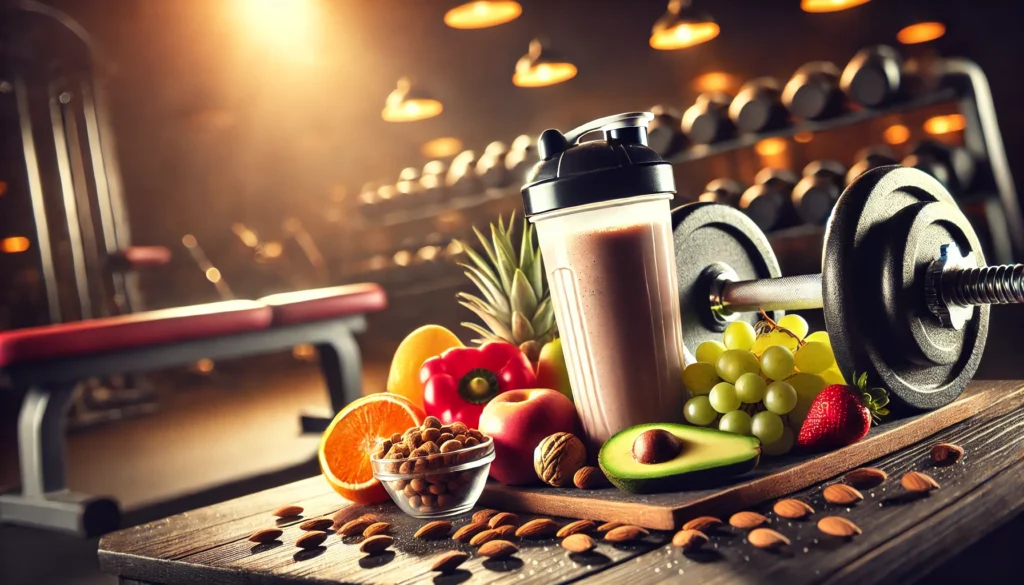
(498, 549)
(376, 544)
(625, 533)
(287, 511)
(842, 494)
(609, 526)
(319, 524)
(689, 539)
(435, 529)
(793, 509)
(575, 528)
(947, 453)
(502, 519)
(344, 515)
(865, 478)
(506, 532)
(578, 543)
(703, 523)
(354, 527)
(266, 535)
(538, 528)
(838, 526)
(468, 531)
(483, 515)
(916, 481)
(311, 539)
(376, 528)
(589, 477)
(766, 538)
(449, 561)
(747, 520)
(482, 537)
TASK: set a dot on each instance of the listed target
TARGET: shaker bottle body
(611, 270)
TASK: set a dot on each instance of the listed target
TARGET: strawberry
(841, 415)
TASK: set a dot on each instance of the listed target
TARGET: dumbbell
(664, 132)
(877, 76)
(767, 201)
(461, 177)
(432, 181)
(953, 166)
(724, 191)
(707, 120)
(904, 288)
(491, 166)
(521, 157)
(816, 193)
(409, 181)
(758, 106)
(869, 158)
(813, 92)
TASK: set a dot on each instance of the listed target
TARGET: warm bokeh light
(412, 110)
(442, 147)
(454, 248)
(544, 74)
(304, 352)
(245, 234)
(896, 134)
(716, 81)
(271, 250)
(770, 146)
(3, 188)
(921, 32)
(829, 5)
(482, 14)
(683, 35)
(945, 124)
(402, 258)
(14, 245)
(285, 26)
(428, 252)
(213, 275)
(189, 241)
(203, 366)
(803, 137)
(378, 262)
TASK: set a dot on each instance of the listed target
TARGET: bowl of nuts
(434, 470)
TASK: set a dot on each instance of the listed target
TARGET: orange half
(353, 435)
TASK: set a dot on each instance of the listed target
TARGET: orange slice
(353, 435)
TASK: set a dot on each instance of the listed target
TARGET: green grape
(709, 351)
(750, 388)
(782, 445)
(739, 335)
(723, 397)
(733, 363)
(796, 324)
(814, 357)
(737, 422)
(833, 376)
(777, 362)
(780, 398)
(821, 336)
(784, 339)
(767, 426)
(807, 385)
(700, 378)
(799, 413)
(698, 411)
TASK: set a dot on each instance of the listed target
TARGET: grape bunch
(760, 382)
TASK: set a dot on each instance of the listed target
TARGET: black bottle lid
(621, 165)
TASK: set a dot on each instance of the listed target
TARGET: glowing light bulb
(896, 134)
(829, 5)
(921, 32)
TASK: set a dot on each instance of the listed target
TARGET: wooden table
(903, 536)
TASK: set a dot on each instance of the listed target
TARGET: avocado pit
(656, 446)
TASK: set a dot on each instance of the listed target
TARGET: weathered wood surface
(902, 535)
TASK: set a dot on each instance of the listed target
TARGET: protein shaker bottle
(602, 213)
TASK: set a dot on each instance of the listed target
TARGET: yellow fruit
(419, 346)
(551, 370)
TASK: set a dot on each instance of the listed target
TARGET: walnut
(558, 457)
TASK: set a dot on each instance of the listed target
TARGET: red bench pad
(141, 257)
(94, 336)
(321, 304)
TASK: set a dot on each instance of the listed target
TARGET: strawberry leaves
(875, 399)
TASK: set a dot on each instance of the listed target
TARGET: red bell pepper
(458, 383)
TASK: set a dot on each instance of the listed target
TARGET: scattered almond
(482, 537)
(842, 494)
(625, 533)
(498, 549)
(766, 538)
(502, 519)
(538, 528)
(469, 531)
(703, 523)
(916, 481)
(589, 477)
(609, 526)
(376, 544)
(435, 529)
(506, 532)
(449, 561)
(345, 514)
(354, 527)
(266, 535)
(865, 478)
(575, 528)
(578, 543)
(319, 524)
(947, 453)
(689, 539)
(483, 515)
(838, 526)
(311, 539)
(376, 528)
(287, 511)
(793, 509)
(747, 520)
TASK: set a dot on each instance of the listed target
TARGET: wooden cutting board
(774, 477)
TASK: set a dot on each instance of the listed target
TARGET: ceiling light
(945, 124)
(442, 147)
(539, 69)
(716, 81)
(682, 26)
(482, 14)
(921, 32)
(829, 5)
(407, 104)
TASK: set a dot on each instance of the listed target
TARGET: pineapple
(516, 304)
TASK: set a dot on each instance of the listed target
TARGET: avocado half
(708, 456)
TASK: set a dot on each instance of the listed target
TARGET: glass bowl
(438, 485)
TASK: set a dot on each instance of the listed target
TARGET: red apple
(518, 420)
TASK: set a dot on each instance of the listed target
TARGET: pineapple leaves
(522, 331)
(543, 319)
(504, 254)
(482, 305)
(500, 329)
(490, 289)
(481, 263)
(523, 299)
(483, 333)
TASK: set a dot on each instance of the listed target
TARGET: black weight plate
(871, 282)
(709, 235)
